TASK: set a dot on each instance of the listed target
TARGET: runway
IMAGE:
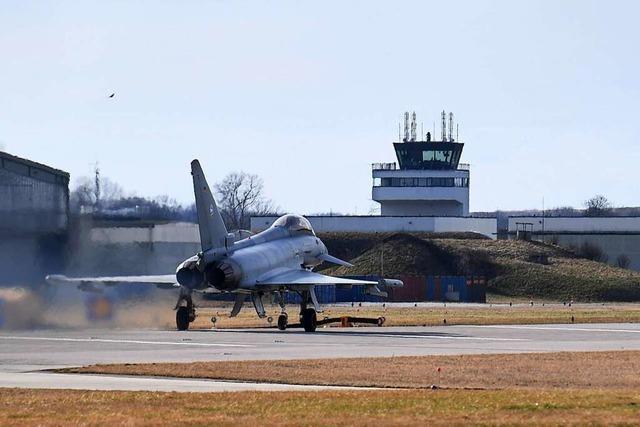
(24, 353)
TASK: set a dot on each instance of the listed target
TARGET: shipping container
(357, 293)
(477, 290)
(414, 289)
(326, 294)
(456, 288)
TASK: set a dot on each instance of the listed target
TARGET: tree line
(239, 195)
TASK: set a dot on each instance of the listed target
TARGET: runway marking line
(442, 337)
(106, 340)
(548, 328)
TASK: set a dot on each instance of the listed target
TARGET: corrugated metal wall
(30, 205)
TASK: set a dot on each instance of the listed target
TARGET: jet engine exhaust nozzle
(224, 276)
(190, 278)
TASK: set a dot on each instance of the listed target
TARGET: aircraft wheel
(282, 321)
(182, 318)
(309, 320)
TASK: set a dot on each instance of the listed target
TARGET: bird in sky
(112, 95)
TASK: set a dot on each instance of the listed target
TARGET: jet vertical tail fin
(212, 229)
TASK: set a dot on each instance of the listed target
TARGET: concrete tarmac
(23, 353)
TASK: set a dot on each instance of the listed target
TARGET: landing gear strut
(283, 319)
(185, 314)
(308, 317)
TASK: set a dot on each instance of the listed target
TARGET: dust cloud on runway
(23, 308)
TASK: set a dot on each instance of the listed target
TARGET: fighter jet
(265, 265)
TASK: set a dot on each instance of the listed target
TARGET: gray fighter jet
(265, 265)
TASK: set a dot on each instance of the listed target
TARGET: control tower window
(428, 155)
(423, 182)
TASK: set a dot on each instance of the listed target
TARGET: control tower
(428, 178)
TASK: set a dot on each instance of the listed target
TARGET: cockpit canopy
(294, 224)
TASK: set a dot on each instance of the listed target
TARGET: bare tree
(110, 190)
(87, 192)
(623, 261)
(241, 195)
(598, 205)
(83, 194)
(563, 211)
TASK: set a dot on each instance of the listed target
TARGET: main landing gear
(185, 314)
(308, 318)
(283, 321)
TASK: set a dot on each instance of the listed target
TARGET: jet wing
(305, 277)
(165, 281)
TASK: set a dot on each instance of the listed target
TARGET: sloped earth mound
(513, 268)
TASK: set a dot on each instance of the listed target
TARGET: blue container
(357, 293)
(344, 294)
(326, 294)
(430, 289)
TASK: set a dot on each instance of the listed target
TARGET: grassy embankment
(514, 268)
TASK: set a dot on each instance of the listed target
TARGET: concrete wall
(580, 224)
(422, 208)
(154, 249)
(177, 232)
(613, 245)
(370, 224)
(615, 236)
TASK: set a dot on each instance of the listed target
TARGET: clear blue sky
(308, 94)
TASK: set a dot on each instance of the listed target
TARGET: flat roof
(33, 165)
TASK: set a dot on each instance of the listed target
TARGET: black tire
(309, 320)
(182, 318)
(282, 322)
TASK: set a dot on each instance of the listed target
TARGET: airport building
(34, 218)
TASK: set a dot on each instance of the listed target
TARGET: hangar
(34, 219)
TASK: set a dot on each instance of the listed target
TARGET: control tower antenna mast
(444, 126)
(414, 125)
(406, 126)
(450, 127)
